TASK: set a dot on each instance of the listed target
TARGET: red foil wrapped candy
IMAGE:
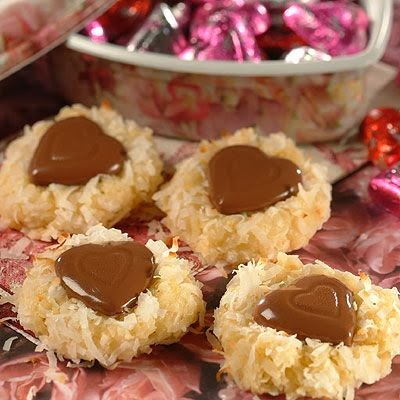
(123, 17)
(279, 40)
(381, 133)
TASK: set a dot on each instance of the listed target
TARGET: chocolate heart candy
(108, 278)
(317, 307)
(73, 151)
(243, 178)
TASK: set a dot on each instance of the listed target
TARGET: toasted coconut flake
(16, 251)
(53, 374)
(8, 343)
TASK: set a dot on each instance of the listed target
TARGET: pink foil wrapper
(162, 31)
(335, 27)
(96, 32)
(385, 190)
(226, 30)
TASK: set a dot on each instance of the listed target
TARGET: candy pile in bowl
(239, 30)
(197, 69)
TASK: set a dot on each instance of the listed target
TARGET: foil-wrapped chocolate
(238, 30)
(385, 190)
(278, 41)
(335, 27)
(380, 132)
(226, 30)
(162, 31)
(124, 16)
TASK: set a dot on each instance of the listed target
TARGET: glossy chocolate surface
(316, 306)
(73, 151)
(243, 178)
(106, 277)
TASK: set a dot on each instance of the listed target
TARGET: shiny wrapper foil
(238, 30)
(335, 27)
(124, 16)
(226, 30)
(162, 32)
(380, 131)
(276, 42)
(385, 190)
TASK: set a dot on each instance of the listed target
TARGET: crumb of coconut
(52, 374)
(264, 360)
(8, 343)
(82, 364)
(156, 230)
(5, 297)
(55, 210)
(31, 393)
(16, 251)
(231, 239)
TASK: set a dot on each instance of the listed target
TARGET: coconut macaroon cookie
(102, 296)
(85, 167)
(306, 330)
(245, 196)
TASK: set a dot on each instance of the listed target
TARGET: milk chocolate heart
(108, 278)
(317, 307)
(243, 178)
(73, 151)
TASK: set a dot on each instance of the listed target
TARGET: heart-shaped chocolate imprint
(73, 151)
(243, 178)
(317, 307)
(109, 277)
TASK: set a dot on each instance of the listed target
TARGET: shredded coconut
(16, 252)
(31, 393)
(156, 230)
(5, 297)
(163, 313)
(82, 364)
(231, 239)
(53, 374)
(49, 212)
(264, 360)
(8, 343)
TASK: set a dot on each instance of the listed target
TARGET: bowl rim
(379, 13)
